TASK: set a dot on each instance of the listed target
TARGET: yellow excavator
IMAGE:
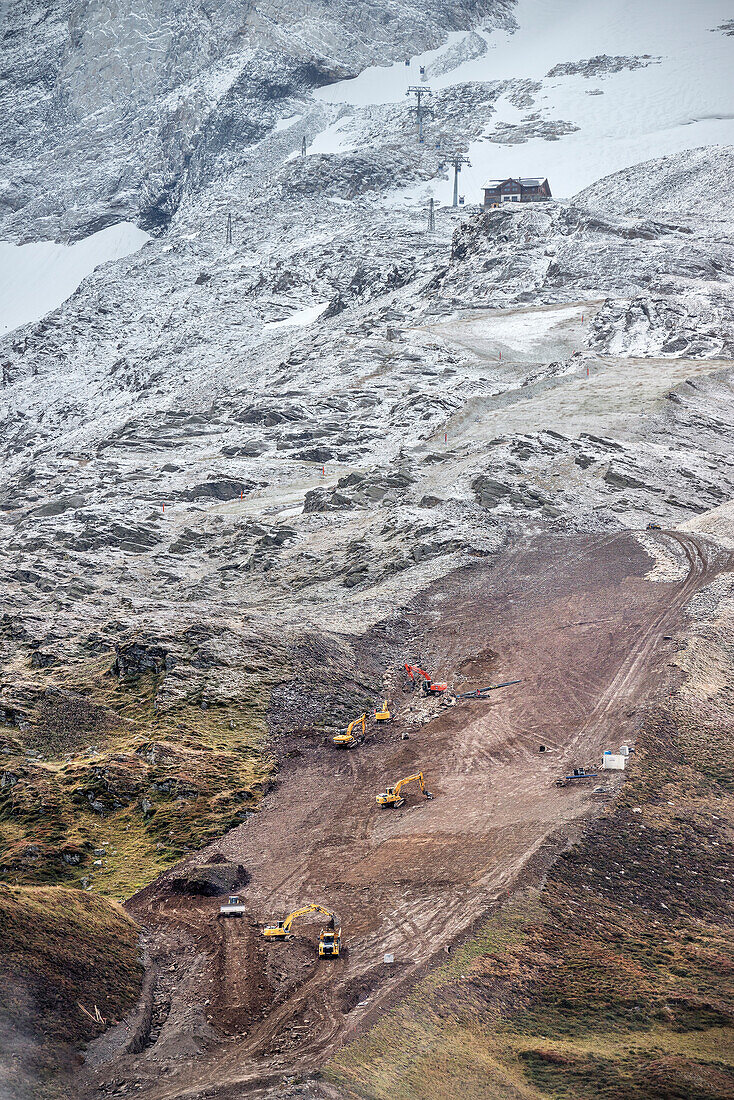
(330, 938)
(393, 796)
(349, 739)
(384, 714)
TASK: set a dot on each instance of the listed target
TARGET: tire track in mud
(701, 569)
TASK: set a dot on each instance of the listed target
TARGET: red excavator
(428, 686)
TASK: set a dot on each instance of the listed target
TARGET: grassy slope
(60, 948)
(131, 771)
(123, 788)
(614, 982)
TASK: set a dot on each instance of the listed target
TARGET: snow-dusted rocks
(236, 439)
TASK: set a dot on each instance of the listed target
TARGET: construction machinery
(349, 739)
(482, 693)
(419, 676)
(393, 796)
(383, 715)
(234, 907)
(330, 942)
(578, 775)
(330, 938)
(654, 527)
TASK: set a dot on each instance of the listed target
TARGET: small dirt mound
(211, 879)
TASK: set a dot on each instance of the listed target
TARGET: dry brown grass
(62, 951)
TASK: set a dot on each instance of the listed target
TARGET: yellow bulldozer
(393, 796)
(330, 938)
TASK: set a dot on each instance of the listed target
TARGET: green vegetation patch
(113, 766)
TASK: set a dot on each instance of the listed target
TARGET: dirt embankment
(69, 967)
(575, 620)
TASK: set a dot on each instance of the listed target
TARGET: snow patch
(286, 123)
(679, 101)
(37, 278)
(523, 332)
(301, 317)
(334, 139)
(386, 83)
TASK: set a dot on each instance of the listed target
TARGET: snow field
(301, 317)
(680, 100)
(36, 278)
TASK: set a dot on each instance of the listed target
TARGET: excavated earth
(578, 620)
(261, 473)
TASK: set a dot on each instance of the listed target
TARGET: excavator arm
(349, 739)
(410, 779)
(304, 911)
(416, 671)
(393, 796)
(283, 927)
(428, 684)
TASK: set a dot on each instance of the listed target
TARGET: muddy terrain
(313, 422)
(589, 635)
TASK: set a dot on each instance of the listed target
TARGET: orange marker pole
(164, 507)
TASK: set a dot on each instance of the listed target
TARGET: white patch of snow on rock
(676, 94)
(36, 278)
(523, 332)
(304, 316)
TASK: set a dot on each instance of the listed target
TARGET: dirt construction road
(573, 618)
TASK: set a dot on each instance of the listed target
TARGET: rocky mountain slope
(166, 94)
(189, 451)
(227, 462)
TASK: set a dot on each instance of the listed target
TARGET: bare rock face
(135, 658)
(165, 92)
(652, 325)
(533, 254)
(601, 65)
